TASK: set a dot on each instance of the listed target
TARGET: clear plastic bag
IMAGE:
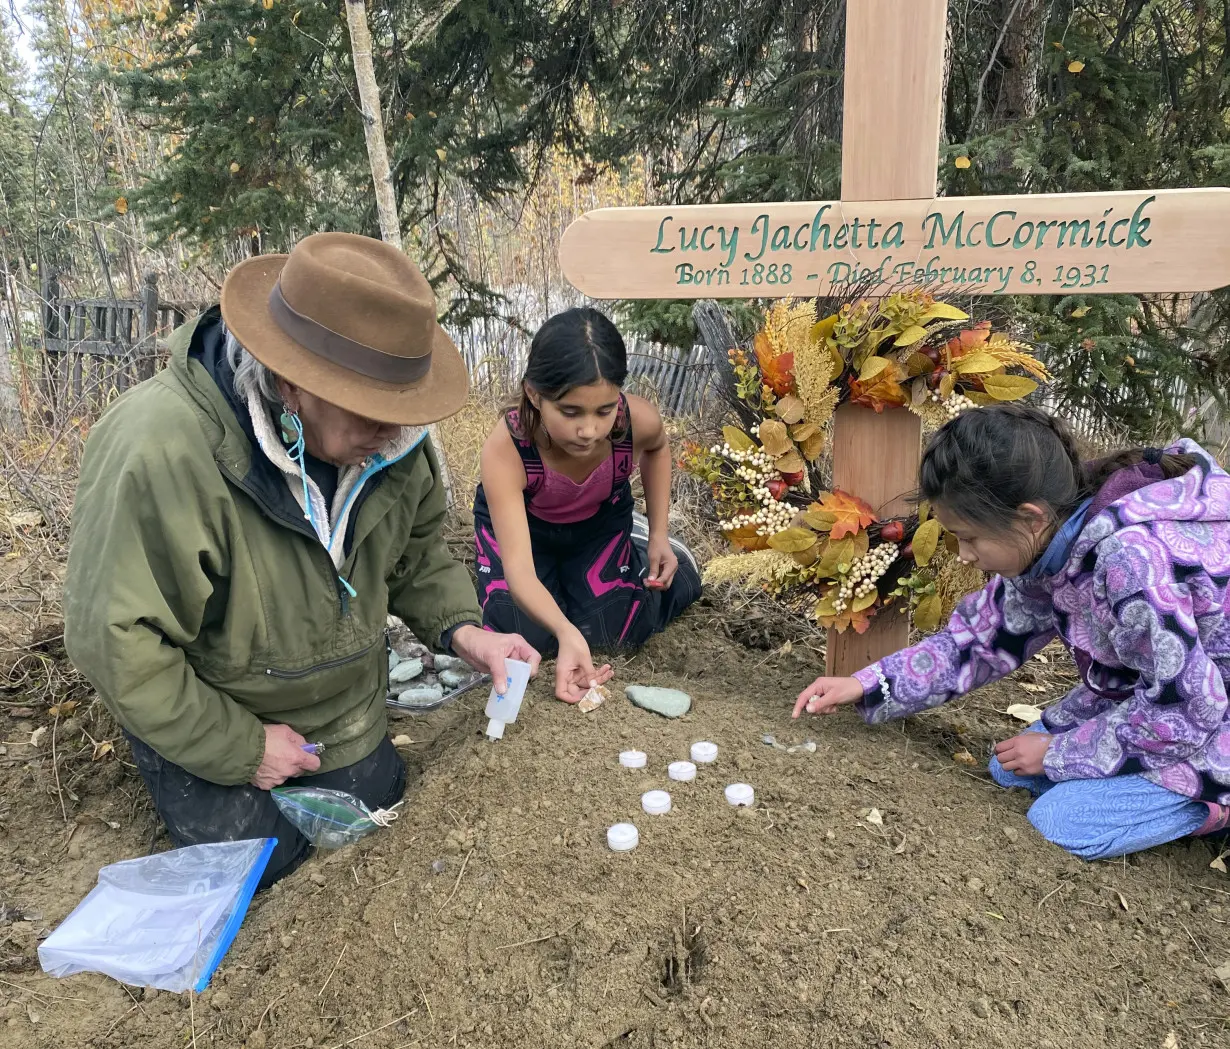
(163, 921)
(329, 819)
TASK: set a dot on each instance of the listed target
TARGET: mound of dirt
(879, 894)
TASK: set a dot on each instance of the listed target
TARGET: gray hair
(251, 376)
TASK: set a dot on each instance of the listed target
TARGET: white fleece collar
(330, 522)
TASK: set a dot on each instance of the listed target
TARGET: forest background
(180, 137)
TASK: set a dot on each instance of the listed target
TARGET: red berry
(892, 532)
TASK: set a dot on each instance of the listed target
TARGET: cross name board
(1148, 241)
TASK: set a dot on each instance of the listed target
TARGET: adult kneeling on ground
(244, 523)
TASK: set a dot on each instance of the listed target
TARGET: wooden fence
(96, 348)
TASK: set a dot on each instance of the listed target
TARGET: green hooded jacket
(200, 602)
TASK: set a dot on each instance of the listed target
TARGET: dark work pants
(198, 812)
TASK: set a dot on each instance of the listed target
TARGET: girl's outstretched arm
(653, 447)
(991, 633)
(503, 478)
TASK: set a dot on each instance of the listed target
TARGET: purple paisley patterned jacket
(1143, 605)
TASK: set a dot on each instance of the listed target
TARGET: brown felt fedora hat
(352, 321)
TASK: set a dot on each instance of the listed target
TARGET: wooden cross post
(894, 91)
(890, 232)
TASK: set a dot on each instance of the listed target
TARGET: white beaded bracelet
(883, 681)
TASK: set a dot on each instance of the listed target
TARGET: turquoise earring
(292, 428)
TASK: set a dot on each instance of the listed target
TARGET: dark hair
(988, 462)
(575, 348)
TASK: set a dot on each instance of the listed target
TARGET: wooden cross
(889, 227)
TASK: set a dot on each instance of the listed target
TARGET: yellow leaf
(774, 438)
(924, 511)
(737, 439)
(943, 311)
(914, 333)
(409, 116)
(961, 163)
(978, 361)
(792, 540)
(820, 520)
(925, 540)
(1080, 312)
(862, 543)
(1075, 66)
(918, 364)
(872, 367)
(824, 607)
(442, 155)
(802, 431)
(812, 446)
(252, 41)
(789, 409)
(823, 329)
(835, 554)
(807, 557)
(1008, 387)
(234, 167)
(268, 4)
(947, 385)
(861, 604)
(790, 463)
(927, 614)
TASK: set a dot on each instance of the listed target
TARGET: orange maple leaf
(970, 339)
(777, 370)
(882, 390)
(850, 513)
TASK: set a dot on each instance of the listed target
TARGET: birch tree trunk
(378, 159)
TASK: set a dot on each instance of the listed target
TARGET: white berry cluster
(864, 574)
(954, 404)
(756, 469)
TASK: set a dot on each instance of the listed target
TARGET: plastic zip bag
(163, 921)
(329, 819)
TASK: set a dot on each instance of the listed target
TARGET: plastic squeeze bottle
(501, 710)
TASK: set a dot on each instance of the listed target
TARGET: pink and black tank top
(556, 498)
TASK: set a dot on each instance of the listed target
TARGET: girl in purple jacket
(1127, 561)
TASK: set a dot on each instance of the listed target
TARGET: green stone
(669, 702)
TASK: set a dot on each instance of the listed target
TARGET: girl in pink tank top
(562, 559)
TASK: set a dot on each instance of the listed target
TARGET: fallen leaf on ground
(1219, 863)
(36, 737)
(1029, 686)
(875, 819)
(25, 519)
(1171, 1041)
(1025, 712)
(1123, 901)
(964, 757)
(402, 741)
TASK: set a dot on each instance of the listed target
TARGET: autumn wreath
(826, 552)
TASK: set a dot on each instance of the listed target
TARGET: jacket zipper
(343, 598)
(331, 664)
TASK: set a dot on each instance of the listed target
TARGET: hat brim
(245, 311)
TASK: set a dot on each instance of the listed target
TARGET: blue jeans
(1098, 819)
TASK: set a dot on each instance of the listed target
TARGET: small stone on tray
(407, 670)
(420, 696)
